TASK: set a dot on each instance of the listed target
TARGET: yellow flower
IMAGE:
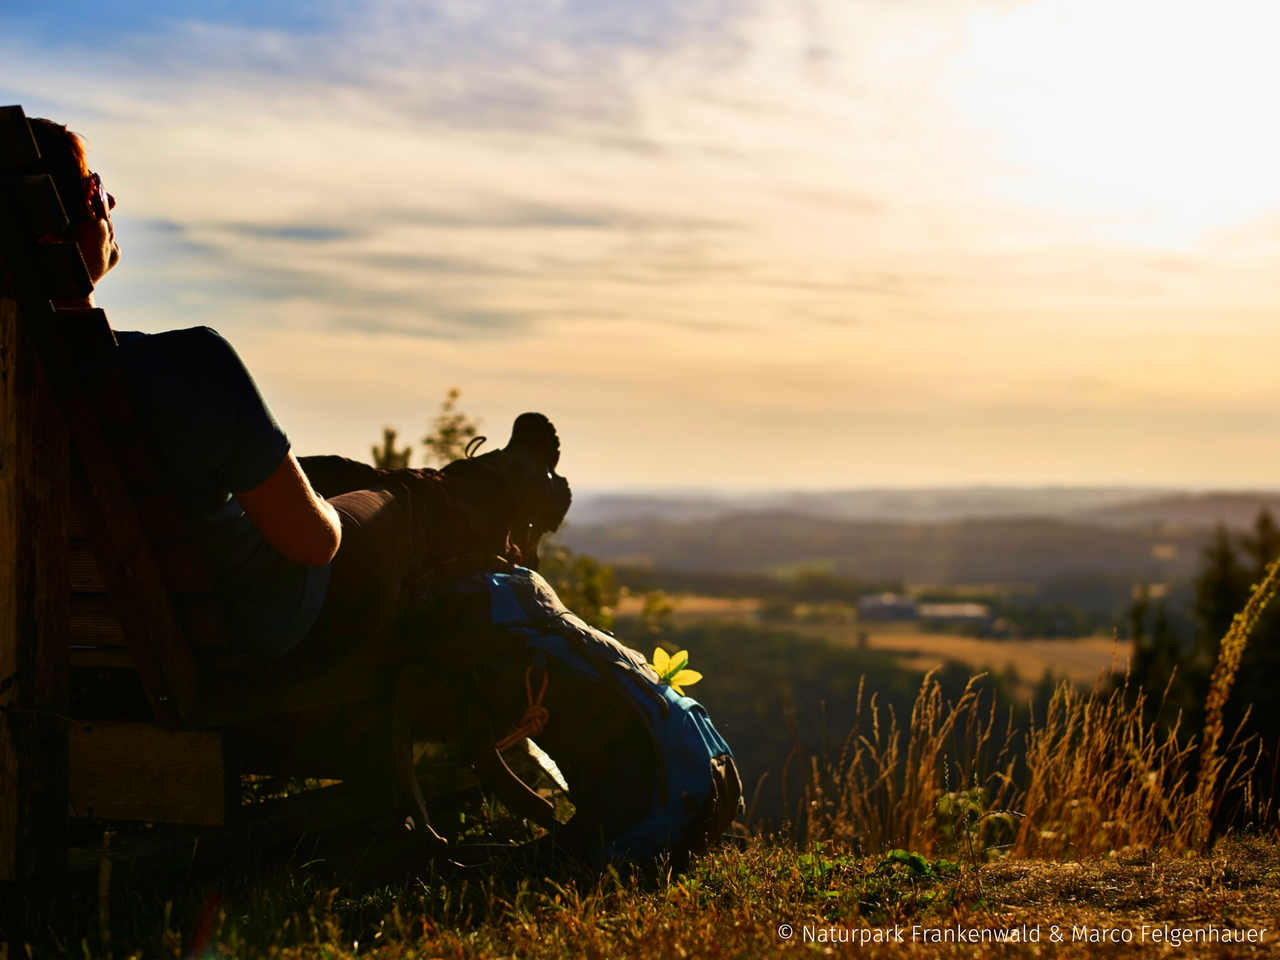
(671, 669)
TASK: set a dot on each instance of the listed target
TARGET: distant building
(955, 612)
(887, 606)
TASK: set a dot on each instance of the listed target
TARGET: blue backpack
(646, 771)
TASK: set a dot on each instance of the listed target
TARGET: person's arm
(292, 516)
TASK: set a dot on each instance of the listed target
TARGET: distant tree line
(1164, 660)
(806, 586)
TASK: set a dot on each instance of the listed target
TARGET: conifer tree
(1263, 546)
(451, 432)
(1157, 653)
(1230, 566)
(387, 456)
(1221, 589)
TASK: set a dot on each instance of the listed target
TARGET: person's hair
(62, 156)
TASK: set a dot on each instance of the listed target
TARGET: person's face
(96, 237)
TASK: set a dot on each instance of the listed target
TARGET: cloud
(605, 159)
(303, 232)
(695, 230)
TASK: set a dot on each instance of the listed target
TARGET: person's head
(88, 206)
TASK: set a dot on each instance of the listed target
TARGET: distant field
(1079, 660)
(686, 608)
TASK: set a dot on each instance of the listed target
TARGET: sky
(795, 244)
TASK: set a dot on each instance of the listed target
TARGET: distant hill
(924, 505)
(1033, 551)
(1112, 506)
(1085, 545)
(1191, 510)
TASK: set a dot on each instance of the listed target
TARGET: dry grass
(1099, 778)
(1215, 765)
(882, 794)
(1094, 777)
(1097, 775)
(731, 903)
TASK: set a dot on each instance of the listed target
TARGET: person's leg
(332, 475)
(443, 516)
(396, 523)
(515, 489)
(391, 531)
(376, 555)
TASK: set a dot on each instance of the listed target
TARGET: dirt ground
(1137, 905)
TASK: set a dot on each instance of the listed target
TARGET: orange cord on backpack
(535, 717)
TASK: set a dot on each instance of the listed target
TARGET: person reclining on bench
(307, 555)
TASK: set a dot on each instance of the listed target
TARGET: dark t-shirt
(217, 437)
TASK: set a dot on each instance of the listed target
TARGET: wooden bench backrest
(137, 579)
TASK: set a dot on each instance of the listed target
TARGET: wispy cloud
(824, 229)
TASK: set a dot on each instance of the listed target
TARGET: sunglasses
(96, 199)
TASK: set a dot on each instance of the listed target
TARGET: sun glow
(1154, 120)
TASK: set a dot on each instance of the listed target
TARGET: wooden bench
(120, 698)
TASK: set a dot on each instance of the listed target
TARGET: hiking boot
(517, 486)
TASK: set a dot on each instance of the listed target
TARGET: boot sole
(534, 432)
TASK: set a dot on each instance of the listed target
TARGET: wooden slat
(60, 267)
(85, 576)
(36, 205)
(231, 701)
(314, 812)
(111, 398)
(164, 660)
(33, 609)
(94, 622)
(139, 771)
(115, 658)
(17, 144)
(181, 569)
(162, 519)
(89, 337)
(226, 700)
(134, 460)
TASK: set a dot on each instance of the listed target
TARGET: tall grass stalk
(1212, 761)
(1096, 775)
(1100, 778)
(879, 796)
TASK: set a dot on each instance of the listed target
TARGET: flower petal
(686, 677)
(660, 660)
(677, 689)
(679, 660)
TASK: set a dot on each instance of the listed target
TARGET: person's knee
(331, 475)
